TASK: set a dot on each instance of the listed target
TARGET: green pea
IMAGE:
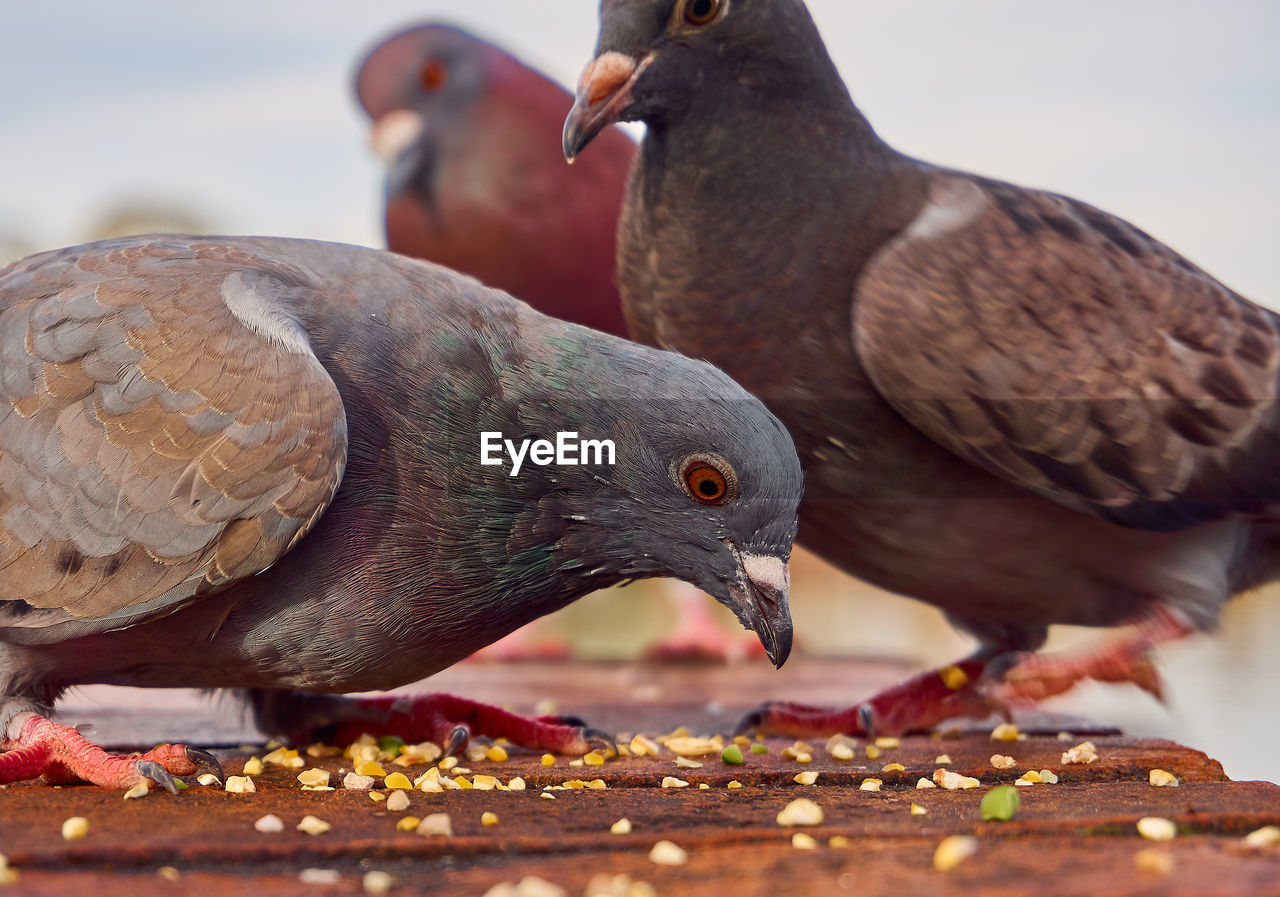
(758, 748)
(732, 755)
(1000, 803)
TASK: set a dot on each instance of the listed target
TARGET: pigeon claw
(152, 770)
(458, 739)
(598, 739)
(205, 762)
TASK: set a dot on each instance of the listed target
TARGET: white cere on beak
(395, 132)
(767, 570)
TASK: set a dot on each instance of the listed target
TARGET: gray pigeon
(1007, 403)
(271, 465)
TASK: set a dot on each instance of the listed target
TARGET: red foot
(61, 755)
(696, 637)
(1121, 658)
(449, 721)
(916, 705)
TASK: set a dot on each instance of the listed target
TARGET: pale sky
(1164, 111)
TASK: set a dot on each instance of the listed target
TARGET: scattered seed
(666, 853)
(1085, 752)
(841, 752)
(732, 755)
(313, 826)
(319, 876)
(408, 823)
(1000, 804)
(801, 812)
(547, 796)
(496, 754)
(595, 758)
(686, 763)
(759, 748)
(270, 824)
(886, 743)
(142, 789)
(398, 801)
(1001, 761)
(377, 796)
(873, 752)
(917, 810)
(1048, 777)
(437, 825)
(313, 777)
(925, 783)
(168, 873)
(870, 785)
(839, 842)
(643, 746)
(796, 749)
(953, 851)
(802, 841)
(355, 782)
(621, 827)
(377, 882)
(208, 779)
(75, 828)
(253, 767)
(893, 767)
(605, 885)
(285, 757)
(8, 875)
(488, 818)
(953, 677)
(240, 785)
(1006, 732)
(954, 781)
(694, 747)
(1154, 861)
(734, 785)
(942, 760)
(1268, 836)
(805, 778)
(1156, 828)
(703, 786)
(548, 760)
(449, 763)
(371, 768)
(516, 784)
(1162, 779)
(673, 782)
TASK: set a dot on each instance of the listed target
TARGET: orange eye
(702, 12)
(706, 482)
(433, 76)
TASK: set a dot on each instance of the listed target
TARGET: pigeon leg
(443, 718)
(61, 754)
(916, 705)
(1123, 657)
(695, 636)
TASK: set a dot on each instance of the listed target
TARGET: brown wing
(1069, 352)
(165, 429)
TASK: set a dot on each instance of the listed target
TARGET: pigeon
(294, 470)
(475, 180)
(471, 137)
(1008, 403)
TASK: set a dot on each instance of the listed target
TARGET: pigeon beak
(398, 139)
(764, 582)
(604, 93)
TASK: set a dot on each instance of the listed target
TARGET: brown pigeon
(1007, 403)
(299, 469)
(472, 139)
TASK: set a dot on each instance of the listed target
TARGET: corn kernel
(665, 853)
(313, 826)
(397, 801)
(621, 827)
(870, 785)
(397, 781)
(371, 768)
(496, 754)
(595, 758)
(1081, 753)
(953, 677)
(1005, 732)
(953, 851)
(208, 779)
(240, 785)
(142, 789)
(643, 746)
(886, 743)
(686, 763)
(314, 776)
(842, 752)
(942, 760)
(1001, 761)
(839, 842)
(1268, 836)
(488, 818)
(802, 841)
(75, 828)
(806, 778)
(377, 797)
(734, 785)
(802, 812)
(925, 783)
(893, 767)
(253, 767)
(917, 810)
(1154, 860)
(873, 752)
(1160, 778)
(1156, 828)
(548, 760)
(516, 784)
(673, 782)
(437, 825)
(449, 763)
(407, 823)
(377, 882)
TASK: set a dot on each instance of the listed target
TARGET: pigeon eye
(433, 75)
(702, 12)
(708, 479)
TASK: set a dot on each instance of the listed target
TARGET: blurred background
(142, 115)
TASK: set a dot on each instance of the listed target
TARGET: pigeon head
(656, 60)
(698, 482)
(419, 87)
